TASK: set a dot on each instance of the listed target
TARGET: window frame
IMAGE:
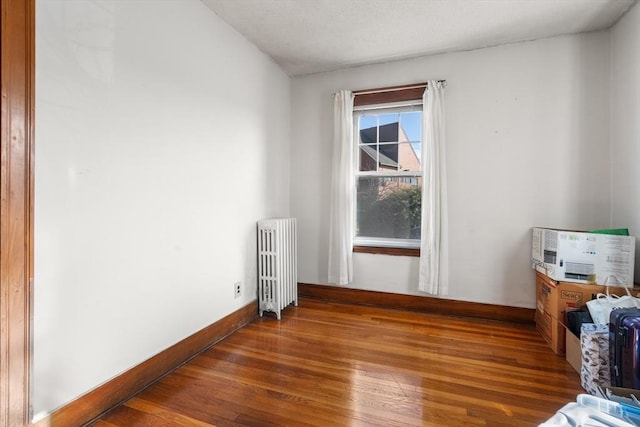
(388, 246)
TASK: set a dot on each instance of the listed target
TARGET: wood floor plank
(201, 404)
(102, 423)
(158, 410)
(237, 400)
(126, 416)
(339, 364)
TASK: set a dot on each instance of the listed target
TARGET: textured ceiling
(310, 36)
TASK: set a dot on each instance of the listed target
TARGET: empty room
(306, 212)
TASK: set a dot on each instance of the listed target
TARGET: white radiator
(277, 264)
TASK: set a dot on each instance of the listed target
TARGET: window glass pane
(408, 156)
(368, 157)
(388, 207)
(368, 121)
(385, 119)
(388, 157)
(389, 126)
(411, 124)
(368, 127)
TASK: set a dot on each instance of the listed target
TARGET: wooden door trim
(16, 208)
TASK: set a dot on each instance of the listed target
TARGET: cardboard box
(573, 353)
(552, 300)
(546, 300)
(551, 303)
(580, 257)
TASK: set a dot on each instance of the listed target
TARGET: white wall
(162, 137)
(527, 144)
(625, 125)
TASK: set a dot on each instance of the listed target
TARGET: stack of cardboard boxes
(572, 268)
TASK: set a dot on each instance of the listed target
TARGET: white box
(581, 257)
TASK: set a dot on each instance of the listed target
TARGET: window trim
(384, 250)
(389, 94)
(408, 98)
(381, 242)
(389, 106)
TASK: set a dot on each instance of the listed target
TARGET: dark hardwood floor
(327, 364)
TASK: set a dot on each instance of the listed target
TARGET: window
(388, 178)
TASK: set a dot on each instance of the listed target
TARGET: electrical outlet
(237, 288)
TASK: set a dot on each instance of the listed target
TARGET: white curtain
(434, 258)
(342, 189)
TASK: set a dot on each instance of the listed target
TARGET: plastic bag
(600, 308)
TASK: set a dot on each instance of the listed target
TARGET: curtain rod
(394, 88)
